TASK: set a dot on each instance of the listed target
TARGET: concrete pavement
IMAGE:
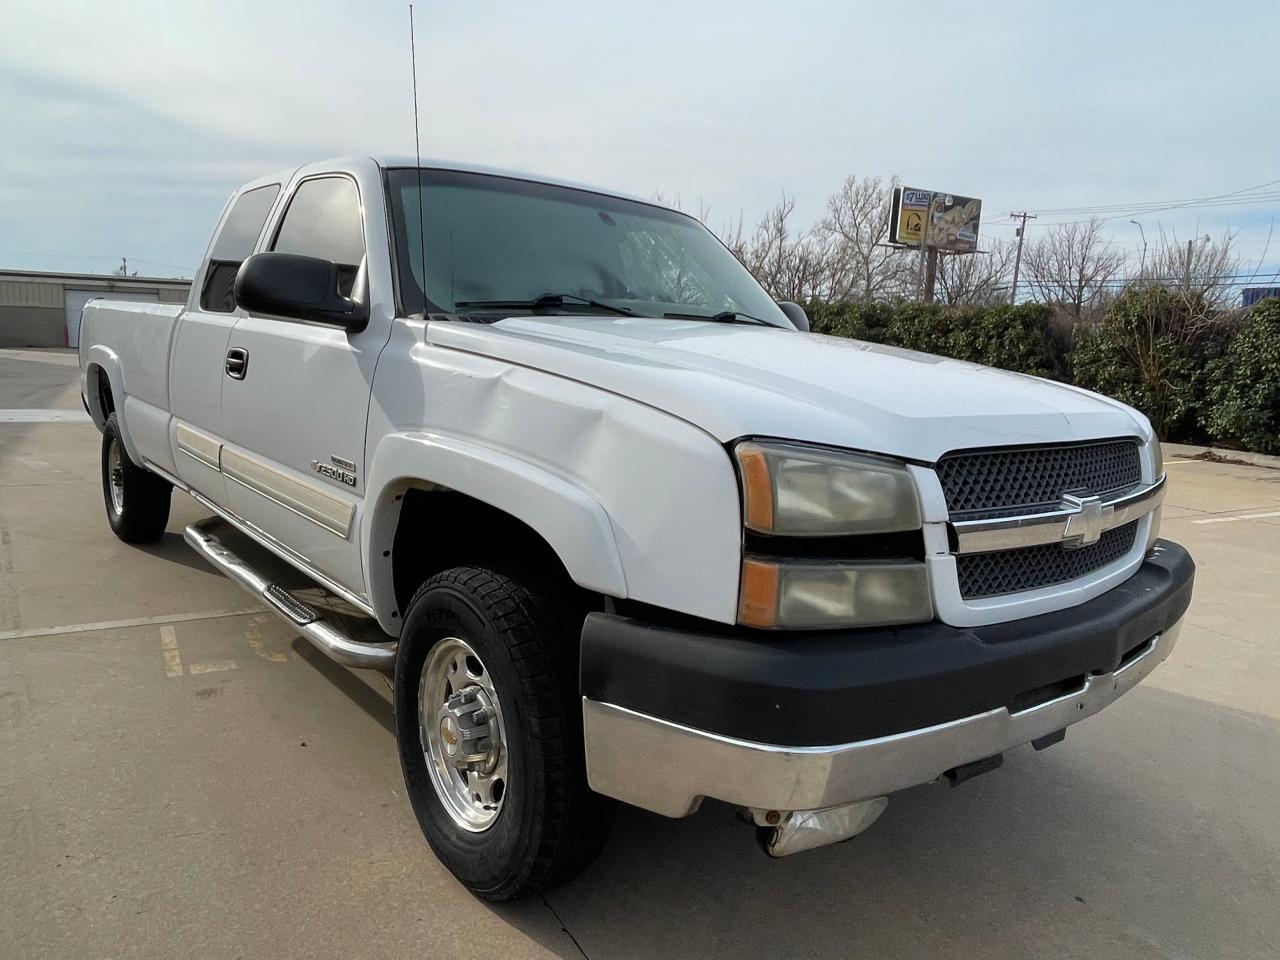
(181, 776)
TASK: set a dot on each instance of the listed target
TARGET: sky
(127, 125)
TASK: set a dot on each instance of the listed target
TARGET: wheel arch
(463, 489)
(104, 392)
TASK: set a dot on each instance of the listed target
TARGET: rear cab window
(235, 241)
(324, 220)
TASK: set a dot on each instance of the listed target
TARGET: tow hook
(967, 771)
(784, 832)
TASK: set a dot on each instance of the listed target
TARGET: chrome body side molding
(624, 747)
(1080, 521)
(307, 500)
(199, 446)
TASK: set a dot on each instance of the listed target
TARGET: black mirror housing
(795, 313)
(299, 288)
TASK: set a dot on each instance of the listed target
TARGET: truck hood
(734, 380)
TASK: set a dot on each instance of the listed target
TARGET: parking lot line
(169, 645)
(43, 415)
(119, 624)
(213, 666)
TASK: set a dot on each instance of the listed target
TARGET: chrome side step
(326, 635)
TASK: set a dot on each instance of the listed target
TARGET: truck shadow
(366, 689)
(174, 549)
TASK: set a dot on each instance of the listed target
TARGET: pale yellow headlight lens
(798, 595)
(794, 490)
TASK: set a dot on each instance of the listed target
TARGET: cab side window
(323, 220)
(235, 241)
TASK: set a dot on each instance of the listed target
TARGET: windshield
(496, 243)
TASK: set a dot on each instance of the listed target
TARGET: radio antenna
(417, 157)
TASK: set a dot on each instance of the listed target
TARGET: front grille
(1005, 482)
(1029, 568)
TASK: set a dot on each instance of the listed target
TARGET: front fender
(575, 525)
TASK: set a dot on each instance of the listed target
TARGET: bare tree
(854, 233)
(791, 264)
(976, 278)
(1072, 265)
(1200, 271)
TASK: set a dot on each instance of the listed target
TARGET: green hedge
(1015, 338)
(1141, 354)
(1243, 405)
(1194, 376)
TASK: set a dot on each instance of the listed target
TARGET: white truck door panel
(304, 399)
(302, 405)
(198, 363)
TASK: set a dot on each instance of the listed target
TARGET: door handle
(237, 363)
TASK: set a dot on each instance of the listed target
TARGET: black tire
(549, 825)
(140, 512)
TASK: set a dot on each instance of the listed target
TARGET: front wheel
(137, 500)
(488, 723)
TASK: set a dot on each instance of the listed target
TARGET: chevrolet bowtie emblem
(1086, 524)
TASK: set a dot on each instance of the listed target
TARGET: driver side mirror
(299, 288)
(795, 313)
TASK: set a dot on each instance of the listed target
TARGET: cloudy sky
(126, 125)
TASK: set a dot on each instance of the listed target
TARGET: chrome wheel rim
(462, 734)
(115, 477)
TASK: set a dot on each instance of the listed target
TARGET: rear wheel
(137, 500)
(488, 722)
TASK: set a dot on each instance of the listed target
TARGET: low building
(43, 309)
(1251, 295)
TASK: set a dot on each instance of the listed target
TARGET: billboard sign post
(933, 222)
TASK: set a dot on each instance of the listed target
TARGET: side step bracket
(327, 636)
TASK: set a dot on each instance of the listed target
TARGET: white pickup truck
(618, 526)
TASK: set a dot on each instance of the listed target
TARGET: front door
(295, 402)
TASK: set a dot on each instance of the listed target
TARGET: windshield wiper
(724, 316)
(545, 302)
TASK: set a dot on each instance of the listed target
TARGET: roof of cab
(388, 162)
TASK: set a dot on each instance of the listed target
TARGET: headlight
(793, 490)
(1157, 458)
(1157, 471)
(799, 595)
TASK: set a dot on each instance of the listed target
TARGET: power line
(1154, 206)
(93, 256)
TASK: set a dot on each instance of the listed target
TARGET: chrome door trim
(1054, 526)
(198, 446)
(307, 500)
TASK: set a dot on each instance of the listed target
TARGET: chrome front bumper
(669, 768)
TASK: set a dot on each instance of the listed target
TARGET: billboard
(941, 220)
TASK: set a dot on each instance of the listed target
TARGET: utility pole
(1017, 260)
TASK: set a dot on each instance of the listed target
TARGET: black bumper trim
(823, 688)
